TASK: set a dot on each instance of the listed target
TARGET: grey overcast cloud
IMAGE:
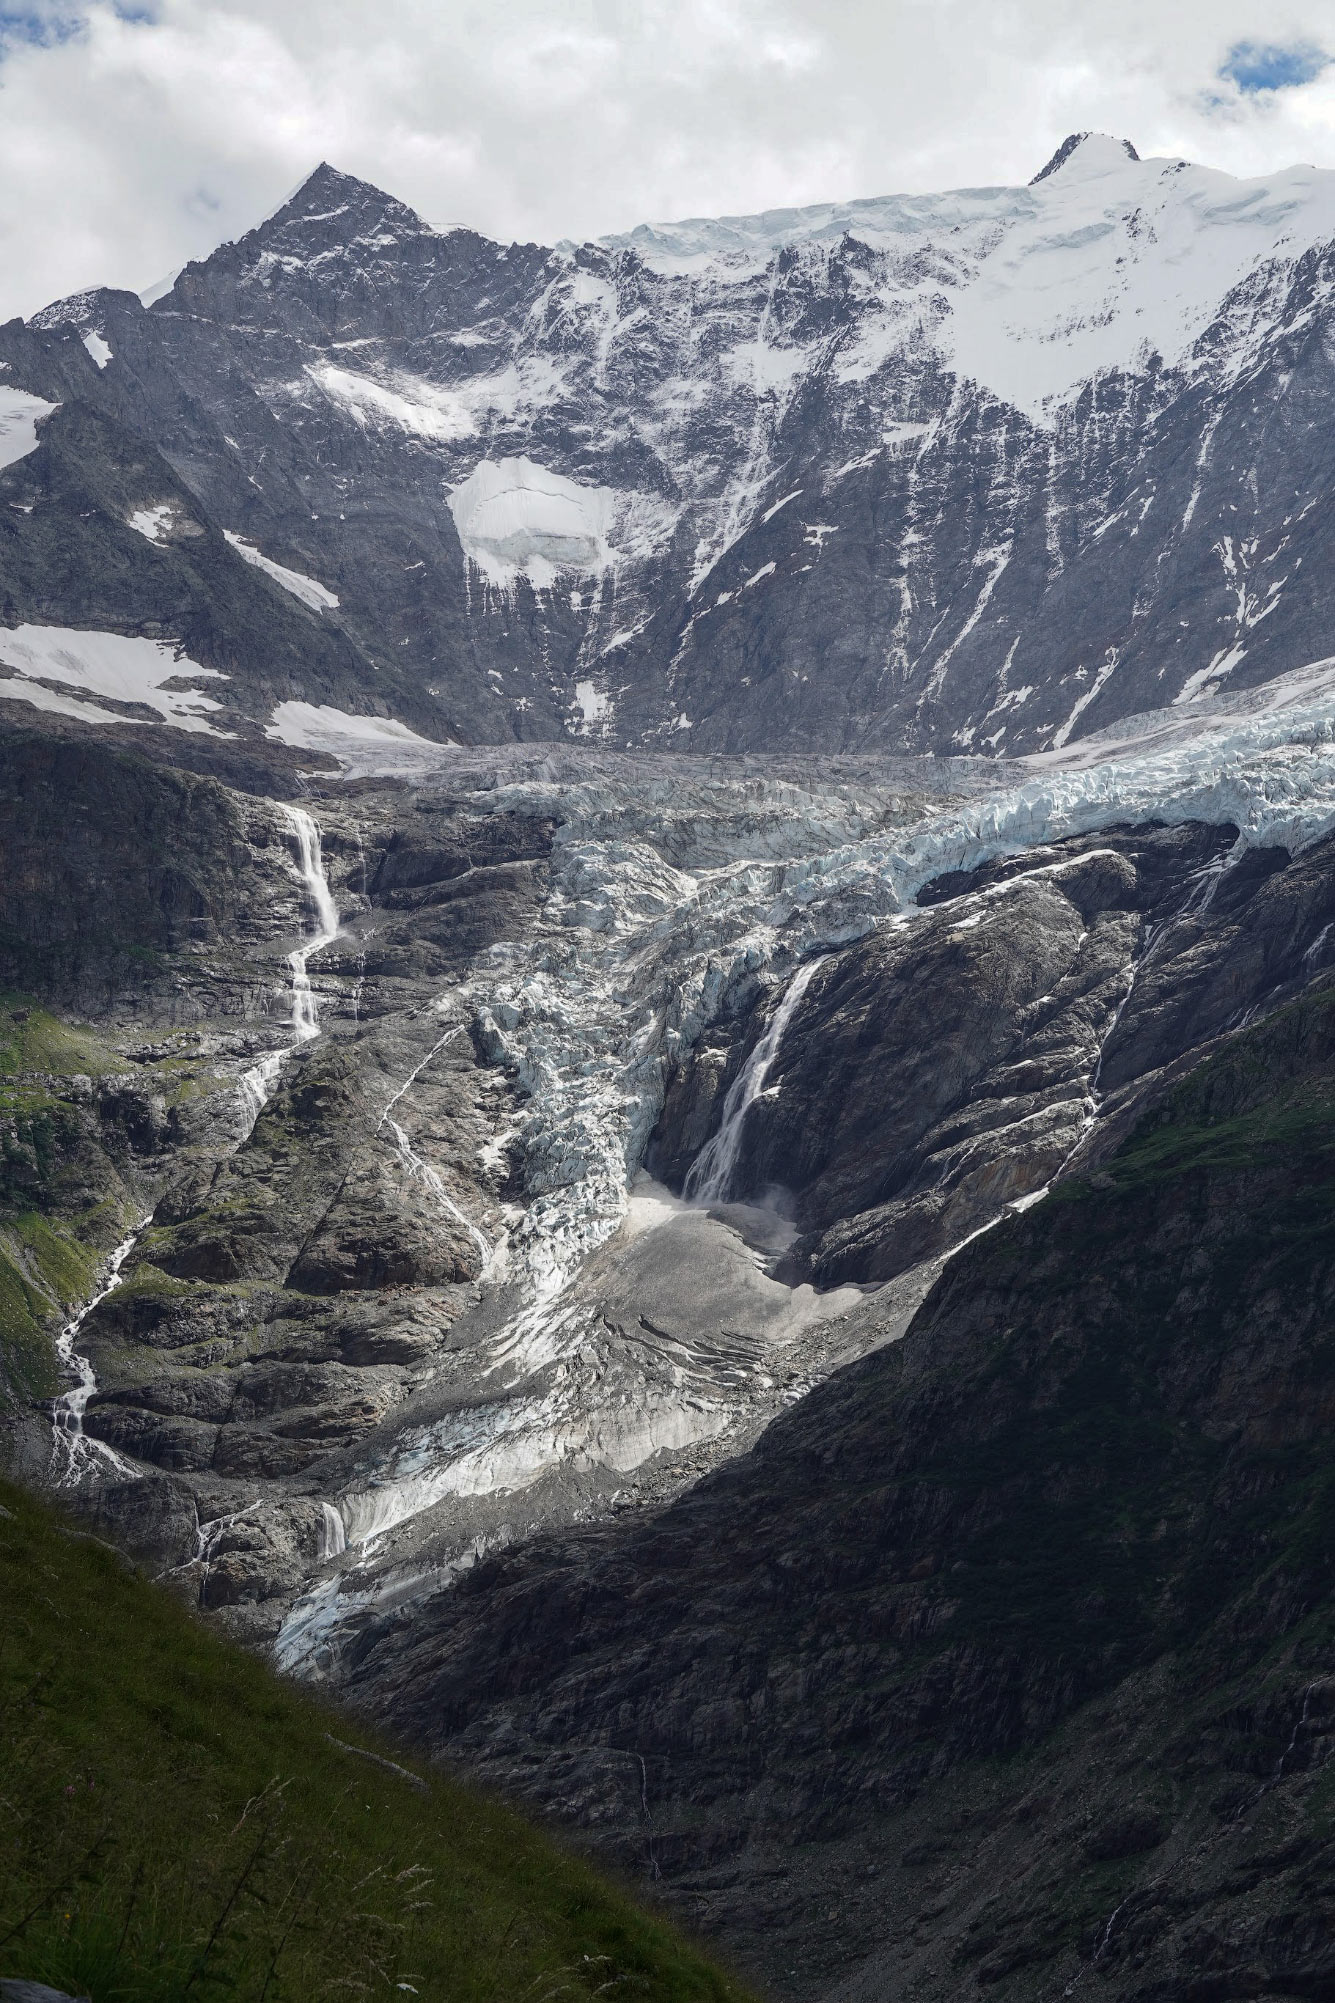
(133, 137)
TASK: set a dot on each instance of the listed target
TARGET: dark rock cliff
(1076, 1523)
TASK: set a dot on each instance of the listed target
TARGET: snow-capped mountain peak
(977, 471)
(1095, 150)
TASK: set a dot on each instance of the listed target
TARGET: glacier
(636, 956)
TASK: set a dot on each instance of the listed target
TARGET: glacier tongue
(639, 953)
(654, 949)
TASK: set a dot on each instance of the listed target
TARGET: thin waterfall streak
(711, 1172)
(256, 1085)
(1202, 886)
(72, 1451)
(423, 1171)
(417, 1071)
(1200, 895)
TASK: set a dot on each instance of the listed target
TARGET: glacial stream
(74, 1452)
(637, 953)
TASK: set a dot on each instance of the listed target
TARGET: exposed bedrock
(988, 470)
(1010, 1648)
(948, 1065)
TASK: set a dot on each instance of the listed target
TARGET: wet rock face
(149, 863)
(945, 1067)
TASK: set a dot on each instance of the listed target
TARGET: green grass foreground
(175, 1823)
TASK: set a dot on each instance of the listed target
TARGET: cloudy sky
(136, 135)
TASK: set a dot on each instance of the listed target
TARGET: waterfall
(257, 1084)
(305, 1008)
(333, 1532)
(72, 1452)
(711, 1172)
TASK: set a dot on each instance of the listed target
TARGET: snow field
(118, 667)
(20, 415)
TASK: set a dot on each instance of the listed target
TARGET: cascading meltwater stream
(258, 1082)
(305, 1008)
(711, 1172)
(74, 1453)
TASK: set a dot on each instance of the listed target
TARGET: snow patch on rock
(411, 405)
(312, 593)
(593, 704)
(20, 415)
(111, 665)
(367, 747)
(153, 523)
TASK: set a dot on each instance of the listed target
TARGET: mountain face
(573, 1171)
(981, 471)
(911, 1490)
(1005, 1660)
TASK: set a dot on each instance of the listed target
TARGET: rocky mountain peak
(1097, 150)
(332, 203)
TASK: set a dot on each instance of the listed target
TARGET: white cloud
(145, 136)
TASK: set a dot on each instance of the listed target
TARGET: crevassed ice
(658, 947)
(516, 517)
(641, 955)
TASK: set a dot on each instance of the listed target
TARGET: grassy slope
(175, 1822)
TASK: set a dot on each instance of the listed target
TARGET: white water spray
(257, 1084)
(333, 1532)
(709, 1176)
(73, 1453)
(421, 1171)
(305, 1008)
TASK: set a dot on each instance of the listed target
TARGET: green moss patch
(32, 1039)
